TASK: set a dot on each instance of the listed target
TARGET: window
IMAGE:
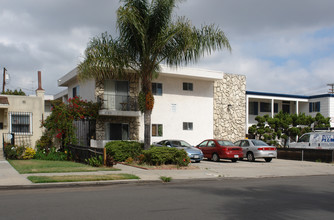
(265, 107)
(314, 106)
(304, 138)
(157, 130)
(203, 144)
(188, 126)
(157, 88)
(275, 107)
(253, 108)
(21, 122)
(187, 86)
(75, 91)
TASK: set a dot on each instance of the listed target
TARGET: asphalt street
(305, 197)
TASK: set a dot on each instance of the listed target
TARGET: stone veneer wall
(230, 122)
(133, 122)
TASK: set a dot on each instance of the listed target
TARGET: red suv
(220, 149)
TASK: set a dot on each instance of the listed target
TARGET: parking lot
(260, 168)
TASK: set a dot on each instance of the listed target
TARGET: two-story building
(190, 104)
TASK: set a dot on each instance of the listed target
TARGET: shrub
(44, 143)
(122, 150)
(13, 151)
(96, 161)
(53, 154)
(29, 153)
(166, 155)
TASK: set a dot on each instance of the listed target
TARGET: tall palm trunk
(147, 129)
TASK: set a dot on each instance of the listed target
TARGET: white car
(253, 149)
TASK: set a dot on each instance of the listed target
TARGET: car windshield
(180, 144)
(225, 143)
(259, 143)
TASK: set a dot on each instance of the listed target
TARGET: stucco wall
(230, 107)
(25, 104)
(176, 106)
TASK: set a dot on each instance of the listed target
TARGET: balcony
(119, 105)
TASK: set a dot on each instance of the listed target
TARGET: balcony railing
(120, 102)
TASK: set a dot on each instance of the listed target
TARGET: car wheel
(250, 157)
(268, 159)
(215, 157)
(234, 160)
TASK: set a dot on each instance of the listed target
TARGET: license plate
(236, 156)
(271, 154)
(196, 156)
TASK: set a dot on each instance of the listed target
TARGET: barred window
(21, 122)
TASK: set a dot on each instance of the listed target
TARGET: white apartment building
(190, 104)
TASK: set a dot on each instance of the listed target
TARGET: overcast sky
(283, 46)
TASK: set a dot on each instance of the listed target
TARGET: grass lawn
(47, 166)
(80, 178)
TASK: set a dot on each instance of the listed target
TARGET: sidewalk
(10, 178)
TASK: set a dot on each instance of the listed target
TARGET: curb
(77, 184)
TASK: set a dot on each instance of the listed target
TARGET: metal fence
(84, 131)
(318, 155)
(81, 153)
(120, 102)
(16, 139)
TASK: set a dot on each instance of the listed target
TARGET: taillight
(267, 148)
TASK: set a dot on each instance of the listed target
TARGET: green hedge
(166, 155)
(122, 150)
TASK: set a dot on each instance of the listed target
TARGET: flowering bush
(29, 153)
(60, 123)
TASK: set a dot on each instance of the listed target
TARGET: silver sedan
(253, 149)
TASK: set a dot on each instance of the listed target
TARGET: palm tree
(148, 36)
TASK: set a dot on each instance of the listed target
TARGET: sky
(284, 46)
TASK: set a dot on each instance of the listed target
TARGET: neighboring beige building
(22, 116)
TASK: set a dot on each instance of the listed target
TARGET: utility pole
(4, 80)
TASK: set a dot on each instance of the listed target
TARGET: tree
(285, 126)
(60, 123)
(148, 36)
(15, 92)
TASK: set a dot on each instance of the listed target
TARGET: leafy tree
(285, 126)
(148, 36)
(15, 92)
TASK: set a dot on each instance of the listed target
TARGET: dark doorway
(119, 132)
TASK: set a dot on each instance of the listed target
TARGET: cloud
(280, 46)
